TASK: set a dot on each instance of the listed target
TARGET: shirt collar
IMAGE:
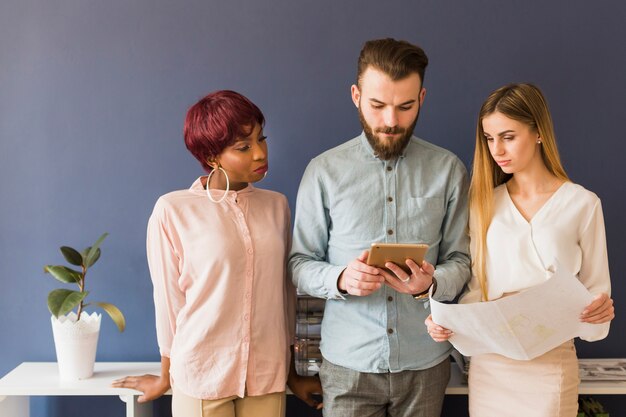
(198, 188)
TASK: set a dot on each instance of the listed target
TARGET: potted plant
(76, 333)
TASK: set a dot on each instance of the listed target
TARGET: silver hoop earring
(208, 189)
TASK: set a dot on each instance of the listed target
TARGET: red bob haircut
(216, 121)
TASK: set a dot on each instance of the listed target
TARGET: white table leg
(14, 406)
(134, 409)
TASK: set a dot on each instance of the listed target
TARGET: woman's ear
(212, 163)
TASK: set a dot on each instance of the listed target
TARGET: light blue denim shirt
(349, 199)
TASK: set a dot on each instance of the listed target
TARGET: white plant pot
(76, 343)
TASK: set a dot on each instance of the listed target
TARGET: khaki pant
(269, 405)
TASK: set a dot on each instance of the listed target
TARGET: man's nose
(390, 118)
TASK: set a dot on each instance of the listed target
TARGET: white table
(42, 378)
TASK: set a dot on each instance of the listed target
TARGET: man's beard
(387, 150)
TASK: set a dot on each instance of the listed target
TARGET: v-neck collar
(543, 207)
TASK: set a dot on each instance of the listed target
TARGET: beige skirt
(546, 386)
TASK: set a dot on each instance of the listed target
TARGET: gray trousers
(403, 394)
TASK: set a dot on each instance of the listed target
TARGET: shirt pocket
(422, 219)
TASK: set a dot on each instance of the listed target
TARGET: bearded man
(385, 185)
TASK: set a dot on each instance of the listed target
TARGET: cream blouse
(569, 228)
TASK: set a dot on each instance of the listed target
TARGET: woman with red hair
(216, 251)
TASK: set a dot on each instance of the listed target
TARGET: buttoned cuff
(330, 282)
(442, 287)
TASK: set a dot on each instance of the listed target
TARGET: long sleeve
(289, 289)
(310, 271)
(163, 262)
(594, 269)
(453, 263)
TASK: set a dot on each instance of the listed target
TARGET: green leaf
(93, 254)
(72, 255)
(63, 301)
(63, 273)
(89, 263)
(86, 251)
(115, 314)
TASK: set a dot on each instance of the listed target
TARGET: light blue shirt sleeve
(453, 260)
(310, 270)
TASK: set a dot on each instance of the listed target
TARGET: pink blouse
(225, 310)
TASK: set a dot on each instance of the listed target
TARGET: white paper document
(521, 326)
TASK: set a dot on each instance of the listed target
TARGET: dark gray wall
(93, 95)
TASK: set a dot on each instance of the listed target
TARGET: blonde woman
(524, 214)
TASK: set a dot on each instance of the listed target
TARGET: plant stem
(81, 286)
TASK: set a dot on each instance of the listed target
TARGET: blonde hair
(526, 104)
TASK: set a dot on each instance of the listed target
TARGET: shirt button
(390, 298)
(390, 199)
(240, 214)
(250, 251)
(390, 331)
(246, 317)
(246, 339)
(390, 232)
(248, 295)
(389, 168)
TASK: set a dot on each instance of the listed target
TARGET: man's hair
(216, 121)
(397, 59)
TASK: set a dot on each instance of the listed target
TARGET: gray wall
(93, 95)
